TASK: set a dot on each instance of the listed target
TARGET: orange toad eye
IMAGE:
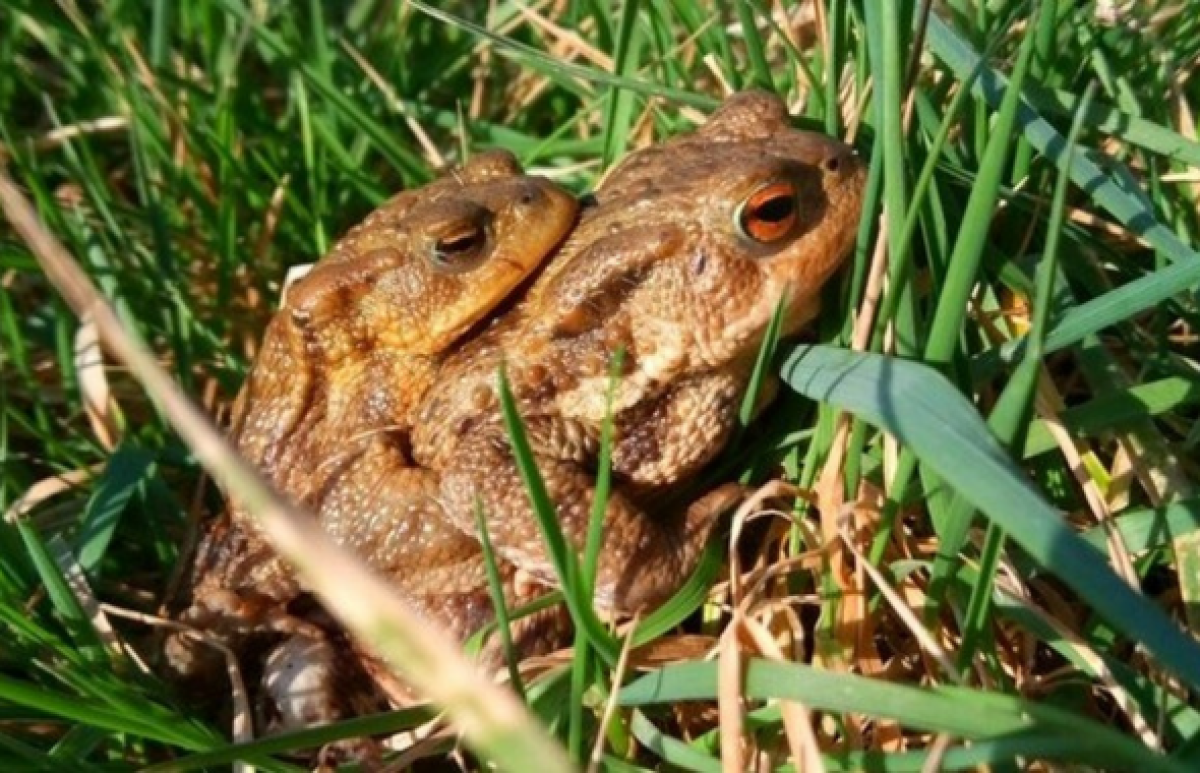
(460, 250)
(770, 214)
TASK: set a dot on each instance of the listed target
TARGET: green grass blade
(953, 710)
(499, 604)
(899, 263)
(1128, 127)
(760, 373)
(383, 138)
(972, 238)
(257, 751)
(70, 611)
(566, 563)
(582, 662)
(929, 416)
(963, 267)
(1007, 421)
(1128, 208)
(760, 71)
(595, 534)
(672, 751)
(128, 467)
(562, 70)
(686, 600)
(1115, 411)
(561, 555)
(1144, 529)
(884, 26)
(21, 756)
(1112, 308)
(71, 707)
(619, 115)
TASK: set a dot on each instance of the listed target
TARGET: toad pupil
(777, 210)
(770, 214)
(457, 246)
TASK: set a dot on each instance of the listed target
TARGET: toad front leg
(668, 440)
(388, 512)
(243, 590)
(239, 595)
(644, 556)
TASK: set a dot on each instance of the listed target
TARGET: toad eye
(461, 249)
(769, 215)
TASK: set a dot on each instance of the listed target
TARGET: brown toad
(326, 409)
(692, 246)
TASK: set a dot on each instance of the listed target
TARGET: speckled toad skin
(688, 251)
(326, 410)
(690, 248)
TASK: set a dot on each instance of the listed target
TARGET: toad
(326, 409)
(689, 251)
(691, 248)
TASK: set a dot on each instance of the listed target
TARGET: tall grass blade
(956, 711)
(929, 416)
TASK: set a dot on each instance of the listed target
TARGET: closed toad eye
(460, 250)
(770, 214)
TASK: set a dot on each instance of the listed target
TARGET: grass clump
(1020, 476)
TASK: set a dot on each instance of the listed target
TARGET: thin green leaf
(499, 604)
(255, 752)
(953, 710)
(760, 71)
(124, 473)
(1008, 420)
(618, 117)
(926, 414)
(562, 556)
(1128, 208)
(65, 602)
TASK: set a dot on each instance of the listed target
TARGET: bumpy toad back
(692, 246)
(358, 338)
(354, 347)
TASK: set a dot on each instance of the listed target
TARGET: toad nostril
(833, 163)
(527, 198)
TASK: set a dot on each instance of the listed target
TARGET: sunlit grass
(187, 154)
